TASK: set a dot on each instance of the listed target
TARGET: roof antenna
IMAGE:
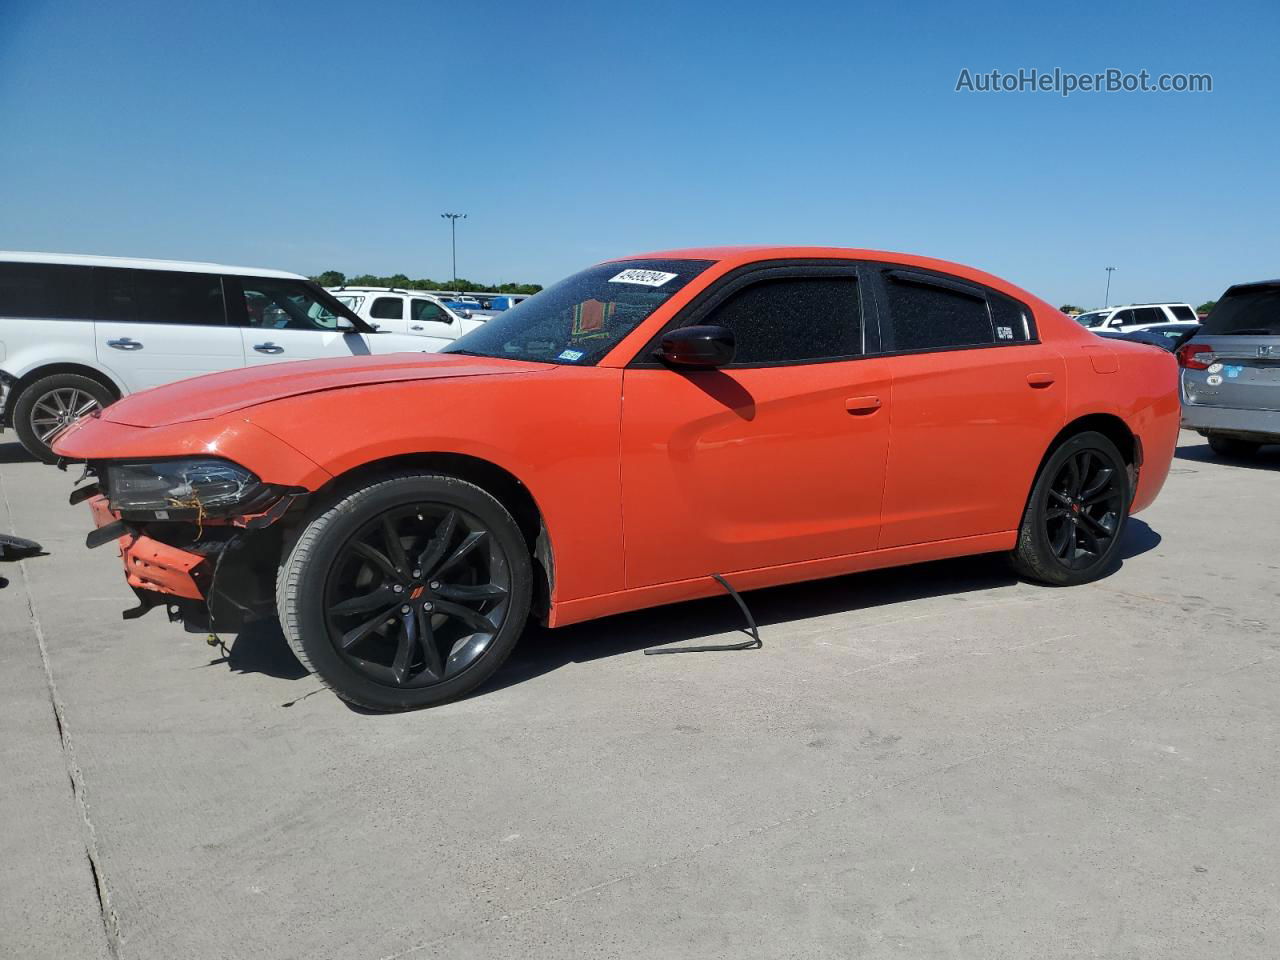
(755, 643)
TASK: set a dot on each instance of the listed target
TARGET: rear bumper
(1262, 425)
(152, 565)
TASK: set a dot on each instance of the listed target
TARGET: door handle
(416, 326)
(861, 406)
(268, 347)
(1040, 380)
(124, 343)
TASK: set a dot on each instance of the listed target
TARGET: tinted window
(1122, 317)
(287, 305)
(387, 308)
(1245, 311)
(160, 296)
(793, 319)
(1183, 312)
(425, 310)
(1012, 320)
(45, 291)
(1150, 315)
(924, 317)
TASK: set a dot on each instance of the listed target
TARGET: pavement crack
(110, 921)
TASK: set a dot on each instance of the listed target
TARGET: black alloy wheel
(1074, 518)
(406, 593)
(417, 595)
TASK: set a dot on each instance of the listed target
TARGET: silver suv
(1231, 371)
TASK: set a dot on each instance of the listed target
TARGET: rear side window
(793, 319)
(1149, 315)
(45, 291)
(1183, 312)
(160, 296)
(929, 314)
(1245, 311)
(387, 308)
(424, 310)
(1012, 320)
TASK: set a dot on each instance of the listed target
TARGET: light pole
(453, 219)
(1107, 298)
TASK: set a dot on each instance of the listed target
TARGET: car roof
(134, 263)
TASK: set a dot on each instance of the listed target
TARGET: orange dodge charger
(620, 440)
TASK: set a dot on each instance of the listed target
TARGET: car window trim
(740, 278)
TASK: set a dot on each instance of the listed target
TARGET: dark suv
(1231, 371)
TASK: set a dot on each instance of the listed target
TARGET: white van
(77, 333)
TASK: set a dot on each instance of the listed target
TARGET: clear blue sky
(319, 135)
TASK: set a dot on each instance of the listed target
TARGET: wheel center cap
(417, 592)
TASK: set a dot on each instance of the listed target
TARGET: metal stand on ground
(755, 643)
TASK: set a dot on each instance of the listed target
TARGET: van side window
(160, 296)
(387, 308)
(45, 291)
(281, 304)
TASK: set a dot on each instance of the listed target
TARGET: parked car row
(1137, 316)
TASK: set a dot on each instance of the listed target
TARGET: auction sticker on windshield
(649, 278)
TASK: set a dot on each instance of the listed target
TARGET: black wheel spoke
(1074, 477)
(438, 544)
(1099, 525)
(1092, 544)
(1061, 497)
(380, 599)
(395, 547)
(1062, 540)
(356, 634)
(469, 543)
(407, 647)
(1101, 481)
(377, 558)
(468, 616)
(1057, 513)
(470, 594)
(430, 651)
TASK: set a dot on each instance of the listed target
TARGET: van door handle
(861, 406)
(1040, 380)
(124, 343)
(416, 326)
(268, 347)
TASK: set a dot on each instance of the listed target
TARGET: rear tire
(1232, 448)
(407, 593)
(48, 404)
(1072, 525)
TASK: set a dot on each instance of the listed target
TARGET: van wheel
(45, 407)
(1232, 447)
(1075, 516)
(406, 593)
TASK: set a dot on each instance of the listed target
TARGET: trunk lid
(1240, 344)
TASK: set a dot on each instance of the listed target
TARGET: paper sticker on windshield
(1004, 333)
(647, 278)
(573, 356)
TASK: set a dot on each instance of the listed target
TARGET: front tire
(45, 407)
(1232, 448)
(1071, 528)
(407, 593)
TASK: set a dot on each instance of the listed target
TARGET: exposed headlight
(199, 485)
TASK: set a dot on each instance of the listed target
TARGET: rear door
(1243, 336)
(976, 399)
(387, 312)
(158, 326)
(283, 319)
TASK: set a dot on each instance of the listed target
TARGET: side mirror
(704, 347)
(466, 314)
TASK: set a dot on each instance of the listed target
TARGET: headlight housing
(190, 487)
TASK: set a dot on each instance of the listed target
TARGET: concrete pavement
(937, 761)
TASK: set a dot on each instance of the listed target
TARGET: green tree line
(336, 278)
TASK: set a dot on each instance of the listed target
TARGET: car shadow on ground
(262, 648)
(541, 650)
(14, 453)
(1268, 458)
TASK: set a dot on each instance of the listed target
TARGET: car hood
(215, 394)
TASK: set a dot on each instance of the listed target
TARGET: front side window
(929, 314)
(45, 291)
(279, 304)
(160, 296)
(424, 311)
(387, 308)
(792, 320)
(1095, 319)
(351, 303)
(1122, 318)
(583, 317)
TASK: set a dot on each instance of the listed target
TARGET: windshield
(581, 318)
(1091, 319)
(1248, 311)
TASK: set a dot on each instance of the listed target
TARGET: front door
(282, 319)
(774, 459)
